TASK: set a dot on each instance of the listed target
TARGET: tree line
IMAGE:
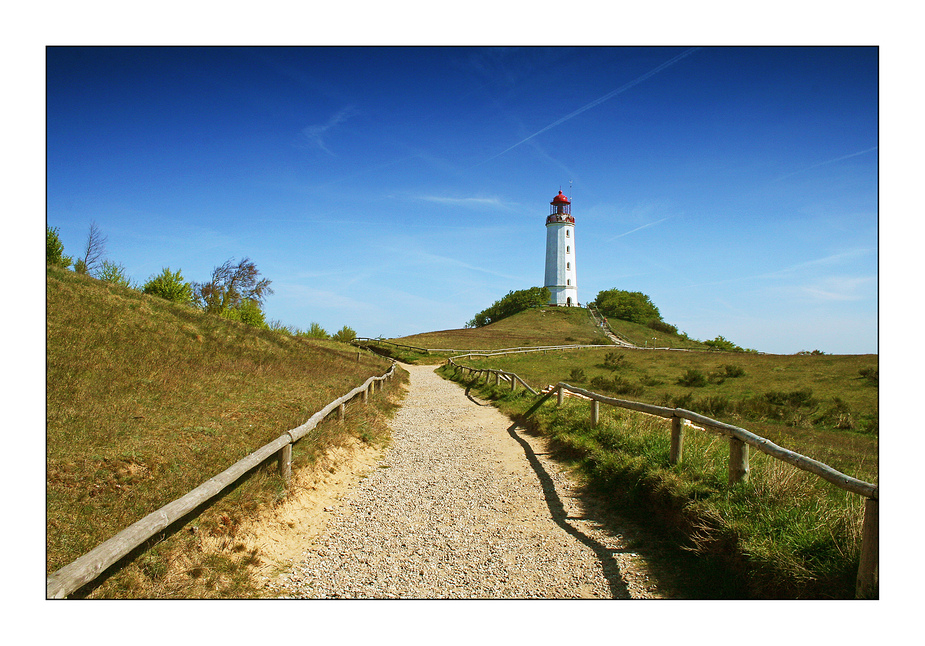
(235, 290)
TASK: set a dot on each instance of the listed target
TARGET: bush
(693, 378)
(111, 272)
(612, 360)
(54, 249)
(661, 326)
(345, 335)
(871, 374)
(634, 307)
(247, 312)
(315, 331)
(577, 375)
(511, 304)
(726, 371)
(170, 286)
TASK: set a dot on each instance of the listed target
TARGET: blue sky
(402, 190)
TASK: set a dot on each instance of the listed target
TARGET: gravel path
(463, 505)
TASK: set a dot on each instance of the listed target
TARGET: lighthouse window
(568, 282)
(568, 249)
(568, 234)
(568, 265)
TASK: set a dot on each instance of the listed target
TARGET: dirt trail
(463, 504)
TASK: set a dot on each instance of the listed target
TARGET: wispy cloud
(840, 288)
(493, 202)
(644, 226)
(827, 162)
(830, 260)
(596, 102)
(315, 134)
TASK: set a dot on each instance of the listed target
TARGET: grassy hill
(147, 399)
(533, 327)
(546, 326)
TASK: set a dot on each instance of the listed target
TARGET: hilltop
(545, 326)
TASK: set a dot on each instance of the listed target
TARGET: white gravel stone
(455, 509)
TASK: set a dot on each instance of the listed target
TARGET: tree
(54, 249)
(94, 251)
(232, 285)
(634, 307)
(169, 285)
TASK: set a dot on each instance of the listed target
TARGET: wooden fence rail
(91, 565)
(739, 441)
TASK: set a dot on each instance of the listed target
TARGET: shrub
(871, 374)
(577, 375)
(837, 415)
(613, 360)
(732, 371)
(54, 249)
(111, 272)
(315, 331)
(345, 335)
(634, 307)
(692, 378)
(726, 371)
(170, 286)
(794, 398)
(247, 312)
(661, 326)
(511, 304)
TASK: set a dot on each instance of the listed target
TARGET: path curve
(464, 504)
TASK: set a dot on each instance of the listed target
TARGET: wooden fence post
(677, 441)
(365, 394)
(868, 583)
(513, 384)
(342, 411)
(285, 462)
(595, 412)
(560, 394)
(497, 378)
(738, 461)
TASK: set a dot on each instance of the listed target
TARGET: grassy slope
(787, 533)
(536, 327)
(147, 399)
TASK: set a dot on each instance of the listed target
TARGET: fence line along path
(464, 505)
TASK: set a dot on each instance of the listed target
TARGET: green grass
(147, 399)
(784, 533)
(819, 405)
(534, 327)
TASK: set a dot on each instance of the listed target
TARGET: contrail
(651, 224)
(607, 96)
(828, 161)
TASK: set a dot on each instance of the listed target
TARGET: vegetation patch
(147, 399)
(784, 533)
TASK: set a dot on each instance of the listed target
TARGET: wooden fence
(91, 565)
(739, 441)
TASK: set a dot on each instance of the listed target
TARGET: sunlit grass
(147, 399)
(782, 534)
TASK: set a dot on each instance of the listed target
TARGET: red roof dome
(560, 199)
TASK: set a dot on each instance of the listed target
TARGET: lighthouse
(560, 253)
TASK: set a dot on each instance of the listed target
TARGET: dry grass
(147, 399)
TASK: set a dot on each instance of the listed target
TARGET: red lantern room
(560, 209)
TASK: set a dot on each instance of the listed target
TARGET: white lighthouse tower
(560, 253)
